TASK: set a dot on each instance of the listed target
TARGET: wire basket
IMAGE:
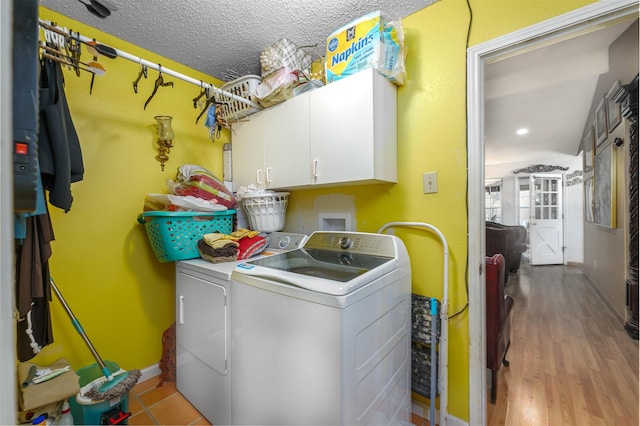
(425, 321)
(233, 109)
(174, 235)
(266, 212)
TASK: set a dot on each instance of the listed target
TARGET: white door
(545, 225)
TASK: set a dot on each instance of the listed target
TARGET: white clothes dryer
(203, 336)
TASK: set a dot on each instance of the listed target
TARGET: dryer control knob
(345, 242)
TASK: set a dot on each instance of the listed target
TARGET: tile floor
(164, 405)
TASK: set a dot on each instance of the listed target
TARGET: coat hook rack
(122, 54)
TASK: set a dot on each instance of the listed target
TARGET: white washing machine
(321, 334)
(203, 338)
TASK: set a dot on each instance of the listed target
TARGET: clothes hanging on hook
(207, 105)
(215, 120)
(158, 83)
(59, 152)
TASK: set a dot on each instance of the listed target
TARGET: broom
(115, 385)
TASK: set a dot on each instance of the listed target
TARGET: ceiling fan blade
(99, 12)
(109, 5)
(102, 10)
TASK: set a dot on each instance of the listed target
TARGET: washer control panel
(353, 242)
(285, 240)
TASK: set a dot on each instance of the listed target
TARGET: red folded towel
(251, 246)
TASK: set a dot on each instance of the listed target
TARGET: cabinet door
(201, 320)
(342, 130)
(286, 129)
(202, 345)
(248, 153)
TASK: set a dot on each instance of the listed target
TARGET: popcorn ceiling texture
(224, 38)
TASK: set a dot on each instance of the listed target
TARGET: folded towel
(218, 240)
(242, 232)
(55, 389)
(250, 246)
(225, 253)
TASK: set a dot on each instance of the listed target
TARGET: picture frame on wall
(588, 146)
(588, 198)
(604, 185)
(601, 122)
(614, 113)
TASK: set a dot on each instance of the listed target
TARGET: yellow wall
(102, 261)
(104, 265)
(432, 137)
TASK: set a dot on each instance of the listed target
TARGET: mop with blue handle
(115, 386)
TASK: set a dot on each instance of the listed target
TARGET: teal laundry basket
(174, 235)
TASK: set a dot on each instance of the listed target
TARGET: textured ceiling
(224, 38)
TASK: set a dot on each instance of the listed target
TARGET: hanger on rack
(51, 30)
(58, 56)
(73, 47)
(158, 83)
(210, 101)
(53, 37)
(143, 72)
(203, 91)
(56, 35)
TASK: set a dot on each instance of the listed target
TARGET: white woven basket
(266, 212)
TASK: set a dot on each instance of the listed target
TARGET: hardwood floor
(572, 363)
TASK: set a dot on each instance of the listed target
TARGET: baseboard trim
(454, 421)
(418, 409)
(150, 372)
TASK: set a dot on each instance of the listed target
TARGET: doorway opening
(572, 24)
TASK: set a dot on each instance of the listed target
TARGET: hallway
(572, 363)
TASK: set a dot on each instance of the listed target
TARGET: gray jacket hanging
(59, 150)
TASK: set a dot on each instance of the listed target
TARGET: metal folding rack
(429, 358)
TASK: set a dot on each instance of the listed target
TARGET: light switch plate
(430, 182)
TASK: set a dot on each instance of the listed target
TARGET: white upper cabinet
(272, 149)
(287, 143)
(247, 153)
(353, 130)
(342, 133)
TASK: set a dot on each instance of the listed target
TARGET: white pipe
(152, 65)
(444, 312)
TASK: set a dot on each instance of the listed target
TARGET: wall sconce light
(165, 138)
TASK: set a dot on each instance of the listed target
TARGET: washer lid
(324, 271)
